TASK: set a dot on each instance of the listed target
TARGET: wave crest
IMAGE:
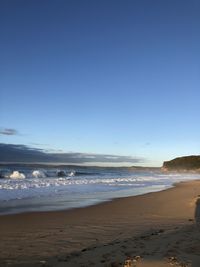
(17, 175)
(72, 173)
(38, 174)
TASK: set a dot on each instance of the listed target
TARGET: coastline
(81, 236)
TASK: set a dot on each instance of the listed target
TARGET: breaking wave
(27, 182)
(17, 175)
(38, 174)
(39, 179)
(71, 174)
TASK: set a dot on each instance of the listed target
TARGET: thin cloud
(147, 144)
(8, 131)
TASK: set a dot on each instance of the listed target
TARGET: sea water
(31, 188)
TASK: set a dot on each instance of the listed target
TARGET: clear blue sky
(106, 77)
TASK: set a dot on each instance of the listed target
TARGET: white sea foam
(38, 174)
(73, 182)
(17, 175)
(71, 174)
(38, 179)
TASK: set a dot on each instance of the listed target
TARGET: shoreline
(55, 237)
(106, 200)
(7, 207)
(49, 194)
(97, 203)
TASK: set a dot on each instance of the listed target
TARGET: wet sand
(155, 229)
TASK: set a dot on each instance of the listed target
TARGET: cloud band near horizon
(25, 154)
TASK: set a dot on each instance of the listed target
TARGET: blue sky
(103, 77)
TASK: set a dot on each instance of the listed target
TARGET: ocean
(48, 188)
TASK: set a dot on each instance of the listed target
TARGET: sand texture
(154, 230)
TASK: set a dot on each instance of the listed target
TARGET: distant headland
(188, 163)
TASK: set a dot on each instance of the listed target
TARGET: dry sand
(152, 230)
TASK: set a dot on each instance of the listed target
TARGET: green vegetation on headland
(188, 163)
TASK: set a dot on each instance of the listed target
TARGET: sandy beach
(155, 229)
